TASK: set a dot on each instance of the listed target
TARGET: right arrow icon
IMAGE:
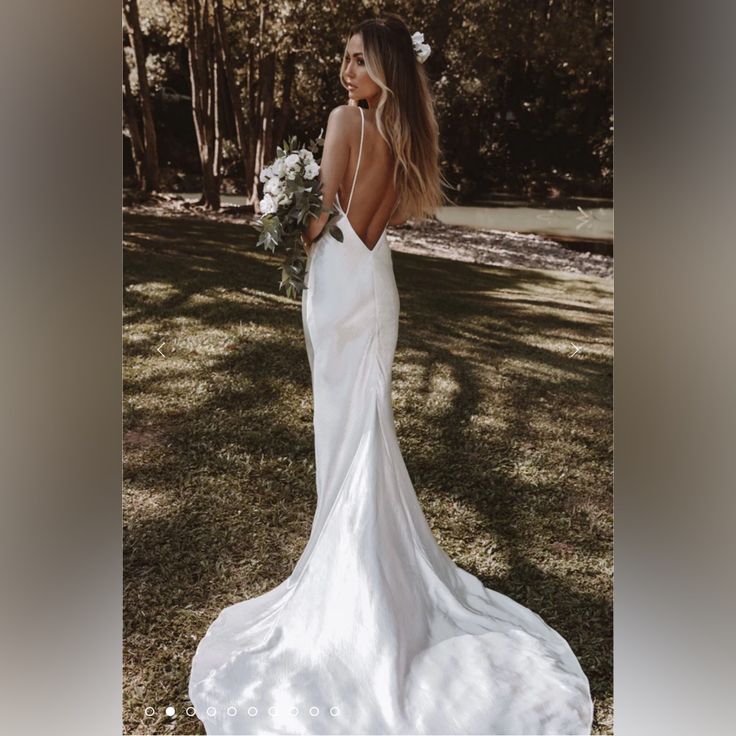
(577, 350)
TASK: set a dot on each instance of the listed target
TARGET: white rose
(423, 53)
(306, 155)
(277, 167)
(284, 199)
(265, 173)
(311, 170)
(268, 205)
(421, 49)
(273, 186)
(292, 161)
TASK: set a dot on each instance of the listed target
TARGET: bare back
(369, 176)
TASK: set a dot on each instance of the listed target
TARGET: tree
(236, 102)
(260, 99)
(205, 76)
(144, 147)
(529, 84)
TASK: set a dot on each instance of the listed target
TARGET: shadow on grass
(507, 439)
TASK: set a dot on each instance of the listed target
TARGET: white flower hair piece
(421, 49)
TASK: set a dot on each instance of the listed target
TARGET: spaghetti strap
(357, 166)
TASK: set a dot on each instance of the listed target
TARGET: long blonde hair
(405, 114)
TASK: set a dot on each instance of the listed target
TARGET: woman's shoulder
(344, 114)
(344, 123)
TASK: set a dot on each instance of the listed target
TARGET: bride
(376, 630)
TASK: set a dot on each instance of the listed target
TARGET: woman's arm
(335, 156)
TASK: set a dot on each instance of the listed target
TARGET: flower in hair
(421, 49)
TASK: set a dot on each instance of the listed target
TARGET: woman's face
(360, 85)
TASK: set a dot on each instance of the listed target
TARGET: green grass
(507, 438)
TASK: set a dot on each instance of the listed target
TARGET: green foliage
(283, 229)
(523, 90)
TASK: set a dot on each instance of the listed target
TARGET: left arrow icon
(159, 349)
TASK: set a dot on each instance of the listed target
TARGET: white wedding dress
(376, 630)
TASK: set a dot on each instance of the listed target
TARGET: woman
(377, 631)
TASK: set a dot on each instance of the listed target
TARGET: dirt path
(497, 248)
(488, 247)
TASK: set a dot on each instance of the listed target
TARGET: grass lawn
(508, 440)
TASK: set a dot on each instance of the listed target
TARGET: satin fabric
(376, 631)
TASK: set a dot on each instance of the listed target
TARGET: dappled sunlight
(146, 503)
(506, 437)
(153, 291)
(269, 297)
(442, 388)
(222, 297)
(205, 269)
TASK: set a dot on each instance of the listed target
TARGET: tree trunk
(137, 145)
(236, 101)
(251, 180)
(204, 70)
(264, 112)
(151, 167)
(285, 113)
(268, 80)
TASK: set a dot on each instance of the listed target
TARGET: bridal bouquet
(292, 194)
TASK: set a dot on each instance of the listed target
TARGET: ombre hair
(405, 114)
